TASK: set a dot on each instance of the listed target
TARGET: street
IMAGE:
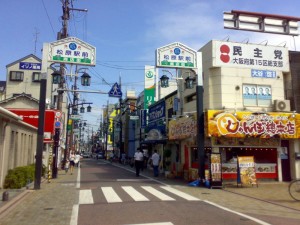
(102, 193)
(112, 194)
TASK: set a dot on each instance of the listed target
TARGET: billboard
(251, 124)
(73, 51)
(149, 91)
(53, 120)
(241, 55)
(176, 55)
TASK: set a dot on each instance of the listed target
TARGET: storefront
(259, 135)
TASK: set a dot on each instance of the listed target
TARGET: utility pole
(61, 35)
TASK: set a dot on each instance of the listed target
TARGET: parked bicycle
(294, 189)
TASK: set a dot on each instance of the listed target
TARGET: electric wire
(48, 18)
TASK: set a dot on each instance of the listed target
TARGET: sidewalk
(53, 203)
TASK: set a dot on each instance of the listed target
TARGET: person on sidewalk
(77, 159)
(72, 162)
(155, 158)
(67, 165)
(138, 161)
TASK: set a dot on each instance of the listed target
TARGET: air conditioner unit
(282, 105)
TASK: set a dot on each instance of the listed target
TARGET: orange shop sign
(251, 124)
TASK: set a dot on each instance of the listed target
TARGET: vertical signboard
(149, 91)
(246, 170)
(215, 170)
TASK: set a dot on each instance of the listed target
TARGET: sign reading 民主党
(254, 56)
(72, 50)
(176, 55)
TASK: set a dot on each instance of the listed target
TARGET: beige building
(249, 111)
(23, 77)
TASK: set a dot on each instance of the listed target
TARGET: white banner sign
(231, 54)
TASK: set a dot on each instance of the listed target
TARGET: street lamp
(164, 81)
(189, 82)
(85, 79)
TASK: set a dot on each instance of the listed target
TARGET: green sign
(71, 59)
(178, 64)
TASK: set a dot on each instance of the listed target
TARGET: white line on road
(160, 223)
(74, 216)
(158, 194)
(240, 214)
(135, 180)
(137, 196)
(110, 195)
(180, 193)
(86, 197)
(78, 177)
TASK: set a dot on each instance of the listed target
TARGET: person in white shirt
(138, 160)
(155, 158)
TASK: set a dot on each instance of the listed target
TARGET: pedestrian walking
(123, 158)
(155, 158)
(67, 165)
(138, 161)
(72, 162)
(77, 159)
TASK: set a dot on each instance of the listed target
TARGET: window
(16, 76)
(36, 77)
(257, 95)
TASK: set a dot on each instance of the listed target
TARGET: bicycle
(294, 189)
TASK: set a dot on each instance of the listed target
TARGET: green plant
(19, 177)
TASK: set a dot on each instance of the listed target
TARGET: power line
(48, 18)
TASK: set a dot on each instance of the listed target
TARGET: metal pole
(40, 138)
(67, 136)
(200, 120)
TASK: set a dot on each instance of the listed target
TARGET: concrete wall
(17, 143)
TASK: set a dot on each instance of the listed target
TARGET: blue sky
(127, 32)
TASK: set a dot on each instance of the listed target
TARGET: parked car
(100, 155)
(86, 155)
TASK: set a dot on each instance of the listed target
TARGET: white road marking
(180, 193)
(240, 214)
(158, 194)
(137, 196)
(78, 177)
(135, 180)
(110, 195)
(159, 223)
(74, 216)
(86, 197)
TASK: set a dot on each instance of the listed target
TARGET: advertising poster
(242, 124)
(215, 170)
(247, 173)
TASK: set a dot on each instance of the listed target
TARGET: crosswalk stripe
(180, 193)
(137, 196)
(158, 194)
(86, 197)
(110, 195)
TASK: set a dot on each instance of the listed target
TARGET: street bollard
(5, 196)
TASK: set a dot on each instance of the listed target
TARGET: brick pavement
(53, 203)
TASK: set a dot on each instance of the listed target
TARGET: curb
(7, 207)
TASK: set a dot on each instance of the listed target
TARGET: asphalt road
(111, 195)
